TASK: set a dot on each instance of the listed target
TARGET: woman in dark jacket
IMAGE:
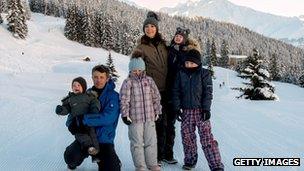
(155, 55)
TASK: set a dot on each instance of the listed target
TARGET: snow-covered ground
(36, 73)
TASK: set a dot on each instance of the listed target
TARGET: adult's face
(150, 30)
(100, 79)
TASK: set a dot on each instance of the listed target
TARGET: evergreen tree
(107, 36)
(213, 54)
(1, 20)
(223, 61)
(113, 73)
(273, 67)
(70, 29)
(208, 53)
(87, 28)
(17, 19)
(27, 9)
(301, 80)
(35, 5)
(98, 28)
(259, 87)
(3, 6)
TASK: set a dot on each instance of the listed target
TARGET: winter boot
(155, 168)
(71, 167)
(188, 166)
(170, 161)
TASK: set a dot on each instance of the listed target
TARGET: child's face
(77, 88)
(178, 39)
(189, 64)
(137, 72)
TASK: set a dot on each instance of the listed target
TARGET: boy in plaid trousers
(192, 95)
(140, 108)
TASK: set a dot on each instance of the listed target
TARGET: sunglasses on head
(180, 30)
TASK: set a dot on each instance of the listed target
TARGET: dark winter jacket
(192, 90)
(105, 122)
(176, 60)
(155, 55)
(80, 104)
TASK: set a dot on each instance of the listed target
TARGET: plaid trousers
(191, 120)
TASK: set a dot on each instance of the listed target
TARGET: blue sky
(278, 7)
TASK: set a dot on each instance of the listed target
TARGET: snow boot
(188, 166)
(170, 161)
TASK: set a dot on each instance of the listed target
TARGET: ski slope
(37, 72)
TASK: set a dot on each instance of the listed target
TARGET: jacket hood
(192, 44)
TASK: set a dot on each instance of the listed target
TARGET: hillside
(33, 137)
(126, 25)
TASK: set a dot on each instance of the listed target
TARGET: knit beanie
(183, 32)
(136, 61)
(82, 82)
(194, 56)
(152, 18)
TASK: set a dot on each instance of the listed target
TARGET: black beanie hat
(152, 18)
(82, 82)
(194, 56)
(183, 31)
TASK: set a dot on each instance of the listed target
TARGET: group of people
(165, 84)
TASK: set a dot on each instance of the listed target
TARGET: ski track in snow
(33, 137)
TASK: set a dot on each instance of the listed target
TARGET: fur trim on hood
(192, 44)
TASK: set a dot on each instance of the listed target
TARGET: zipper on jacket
(142, 90)
(190, 90)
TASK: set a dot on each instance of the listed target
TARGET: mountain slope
(33, 137)
(222, 10)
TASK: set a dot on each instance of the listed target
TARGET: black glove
(158, 118)
(127, 120)
(205, 115)
(179, 115)
(59, 109)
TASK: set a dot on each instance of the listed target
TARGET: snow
(33, 137)
(264, 72)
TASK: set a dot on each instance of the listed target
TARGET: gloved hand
(179, 115)
(127, 120)
(205, 115)
(59, 109)
(158, 118)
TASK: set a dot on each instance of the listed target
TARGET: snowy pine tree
(27, 9)
(70, 29)
(113, 73)
(224, 59)
(87, 27)
(207, 59)
(3, 6)
(301, 80)
(213, 53)
(17, 19)
(260, 87)
(273, 68)
(107, 36)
